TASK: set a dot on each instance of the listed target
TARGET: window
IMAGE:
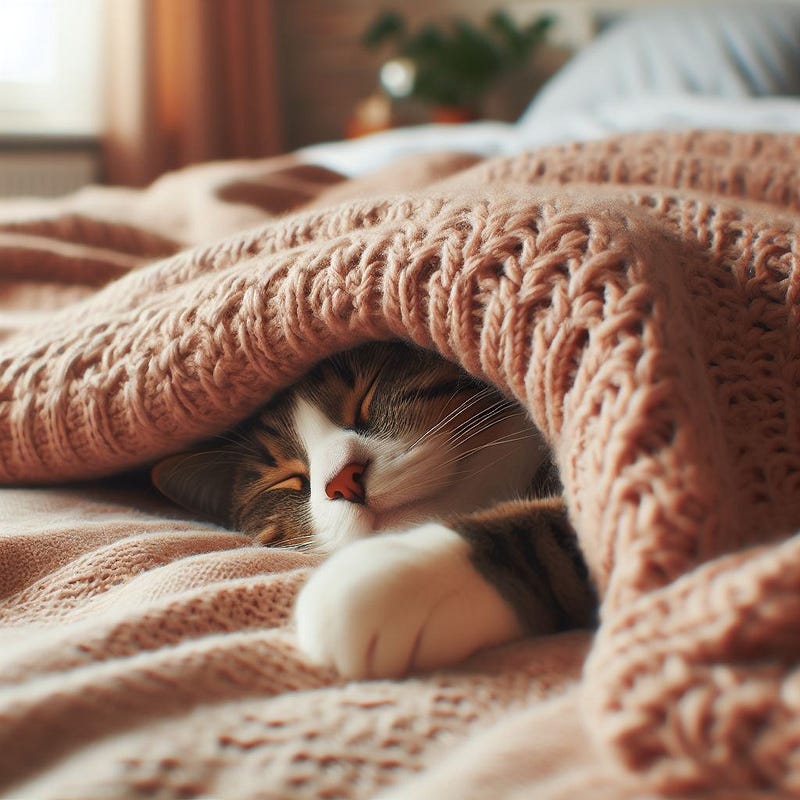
(50, 67)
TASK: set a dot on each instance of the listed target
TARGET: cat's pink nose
(346, 484)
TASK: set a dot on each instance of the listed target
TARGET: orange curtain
(188, 81)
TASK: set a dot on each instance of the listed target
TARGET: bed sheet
(679, 111)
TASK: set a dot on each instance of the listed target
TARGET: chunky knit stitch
(639, 296)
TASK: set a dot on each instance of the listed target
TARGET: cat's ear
(199, 480)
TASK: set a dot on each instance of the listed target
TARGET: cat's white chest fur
(400, 602)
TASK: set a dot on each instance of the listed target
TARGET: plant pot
(453, 114)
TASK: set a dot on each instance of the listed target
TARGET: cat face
(378, 438)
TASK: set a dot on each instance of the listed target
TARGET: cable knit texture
(638, 295)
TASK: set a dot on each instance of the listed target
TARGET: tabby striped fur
(388, 438)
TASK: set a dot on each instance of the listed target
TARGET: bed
(625, 265)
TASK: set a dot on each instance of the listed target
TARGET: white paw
(400, 602)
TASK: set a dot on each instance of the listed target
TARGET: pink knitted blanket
(639, 296)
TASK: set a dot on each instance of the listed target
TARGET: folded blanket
(639, 296)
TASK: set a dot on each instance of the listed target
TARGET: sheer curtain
(188, 81)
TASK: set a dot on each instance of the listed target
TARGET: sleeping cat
(423, 483)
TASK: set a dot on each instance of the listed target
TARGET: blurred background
(120, 91)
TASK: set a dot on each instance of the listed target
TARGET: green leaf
(459, 61)
(388, 25)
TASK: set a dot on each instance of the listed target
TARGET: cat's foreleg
(431, 596)
(529, 551)
(400, 602)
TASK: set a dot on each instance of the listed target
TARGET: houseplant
(452, 65)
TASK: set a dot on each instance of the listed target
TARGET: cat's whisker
(497, 403)
(460, 409)
(509, 439)
(242, 443)
(198, 458)
(484, 467)
(494, 443)
(498, 442)
(456, 475)
(482, 422)
(212, 451)
(418, 394)
(502, 410)
(198, 468)
(434, 429)
(424, 481)
(456, 448)
(473, 470)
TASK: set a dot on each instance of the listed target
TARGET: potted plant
(451, 66)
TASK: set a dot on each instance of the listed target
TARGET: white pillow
(725, 50)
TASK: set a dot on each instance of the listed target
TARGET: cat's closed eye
(362, 413)
(295, 483)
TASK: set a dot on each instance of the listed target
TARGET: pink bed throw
(640, 296)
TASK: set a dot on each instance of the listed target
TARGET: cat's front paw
(400, 602)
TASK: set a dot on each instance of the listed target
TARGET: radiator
(45, 173)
